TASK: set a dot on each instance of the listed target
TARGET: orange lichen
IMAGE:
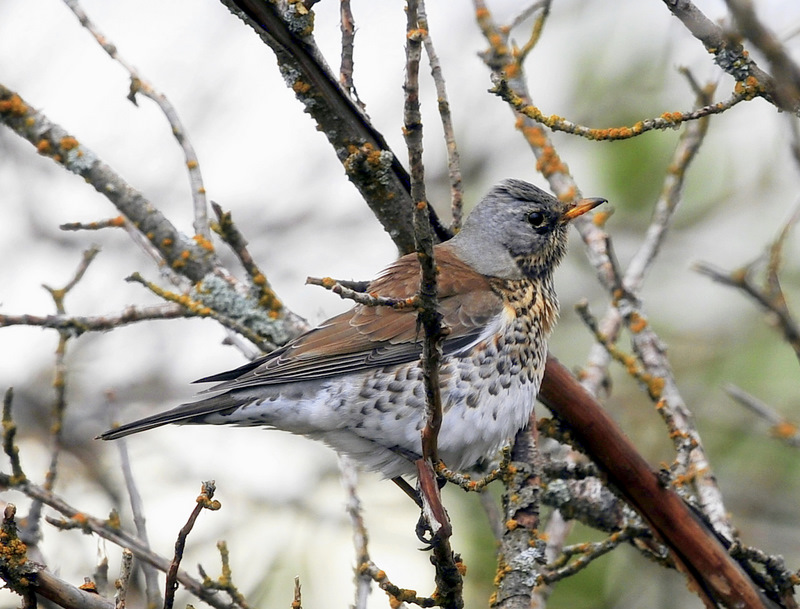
(204, 243)
(89, 586)
(13, 105)
(512, 70)
(568, 195)
(118, 221)
(259, 279)
(165, 242)
(301, 87)
(655, 386)
(784, 429)
(68, 143)
(192, 164)
(672, 117)
(43, 146)
(637, 323)
(416, 34)
(549, 162)
(600, 218)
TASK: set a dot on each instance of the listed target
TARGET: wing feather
(373, 337)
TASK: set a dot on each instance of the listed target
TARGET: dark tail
(193, 412)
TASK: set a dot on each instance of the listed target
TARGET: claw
(425, 534)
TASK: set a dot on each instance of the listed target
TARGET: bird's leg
(422, 529)
(408, 490)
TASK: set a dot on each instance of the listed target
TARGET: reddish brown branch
(695, 548)
(204, 501)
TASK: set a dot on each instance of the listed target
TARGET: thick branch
(695, 547)
(183, 255)
(367, 159)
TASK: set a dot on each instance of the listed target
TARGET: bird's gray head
(517, 230)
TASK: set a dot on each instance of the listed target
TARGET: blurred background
(599, 64)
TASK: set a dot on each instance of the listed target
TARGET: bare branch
(586, 553)
(521, 553)
(695, 547)
(769, 295)
(668, 120)
(9, 435)
(362, 150)
(729, 54)
(183, 255)
(122, 582)
(231, 234)
(110, 530)
(780, 427)
(139, 522)
(453, 160)
(205, 500)
(786, 71)
(140, 85)
(361, 297)
(77, 325)
(348, 28)
(225, 581)
(349, 478)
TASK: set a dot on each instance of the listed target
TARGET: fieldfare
(355, 381)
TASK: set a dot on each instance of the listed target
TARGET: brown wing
(372, 337)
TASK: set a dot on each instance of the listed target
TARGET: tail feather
(193, 412)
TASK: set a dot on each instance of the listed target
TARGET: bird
(355, 382)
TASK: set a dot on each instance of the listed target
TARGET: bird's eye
(536, 219)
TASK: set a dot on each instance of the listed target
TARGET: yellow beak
(581, 207)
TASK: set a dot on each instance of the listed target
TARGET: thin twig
(668, 120)
(348, 29)
(536, 30)
(9, 435)
(728, 52)
(32, 528)
(225, 581)
(449, 581)
(152, 591)
(465, 481)
(586, 553)
(780, 427)
(396, 593)
(769, 295)
(184, 256)
(124, 579)
(361, 297)
(76, 325)
(205, 500)
(453, 159)
(689, 143)
(297, 601)
(140, 85)
(349, 478)
(116, 222)
(199, 309)
(110, 530)
(230, 233)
